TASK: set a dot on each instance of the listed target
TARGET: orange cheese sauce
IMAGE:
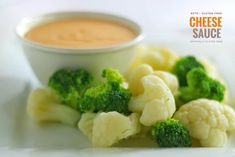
(80, 33)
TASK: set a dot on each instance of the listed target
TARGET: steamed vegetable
(158, 58)
(169, 79)
(142, 70)
(107, 96)
(183, 66)
(43, 106)
(156, 103)
(200, 85)
(70, 85)
(171, 133)
(135, 77)
(143, 105)
(106, 129)
(208, 121)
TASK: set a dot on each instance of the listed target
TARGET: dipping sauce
(80, 33)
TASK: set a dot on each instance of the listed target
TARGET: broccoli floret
(43, 106)
(107, 96)
(183, 66)
(200, 85)
(112, 75)
(171, 133)
(70, 85)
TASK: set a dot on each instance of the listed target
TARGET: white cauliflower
(142, 70)
(169, 79)
(158, 58)
(156, 103)
(106, 129)
(135, 76)
(208, 121)
(43, 106)
(86, 123)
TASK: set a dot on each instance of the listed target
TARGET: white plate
(20, 137)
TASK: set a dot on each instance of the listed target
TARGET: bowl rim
(110, 16)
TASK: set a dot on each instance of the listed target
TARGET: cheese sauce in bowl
(88, 40)
(81, 33)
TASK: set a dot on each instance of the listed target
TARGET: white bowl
(45, 60)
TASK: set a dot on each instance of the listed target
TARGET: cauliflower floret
(135, 76)
(156, 103)
(142, 70)
(207, 121)
(106, 129)
(158, 58)
(169, 79)
(86, 123)
(43, 106)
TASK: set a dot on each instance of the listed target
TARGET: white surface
(165, 23)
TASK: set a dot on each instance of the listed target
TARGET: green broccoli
(112, 75)
(183, 66)
(171, 133)
(70, 85)
(107, 96)
(200, 85)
